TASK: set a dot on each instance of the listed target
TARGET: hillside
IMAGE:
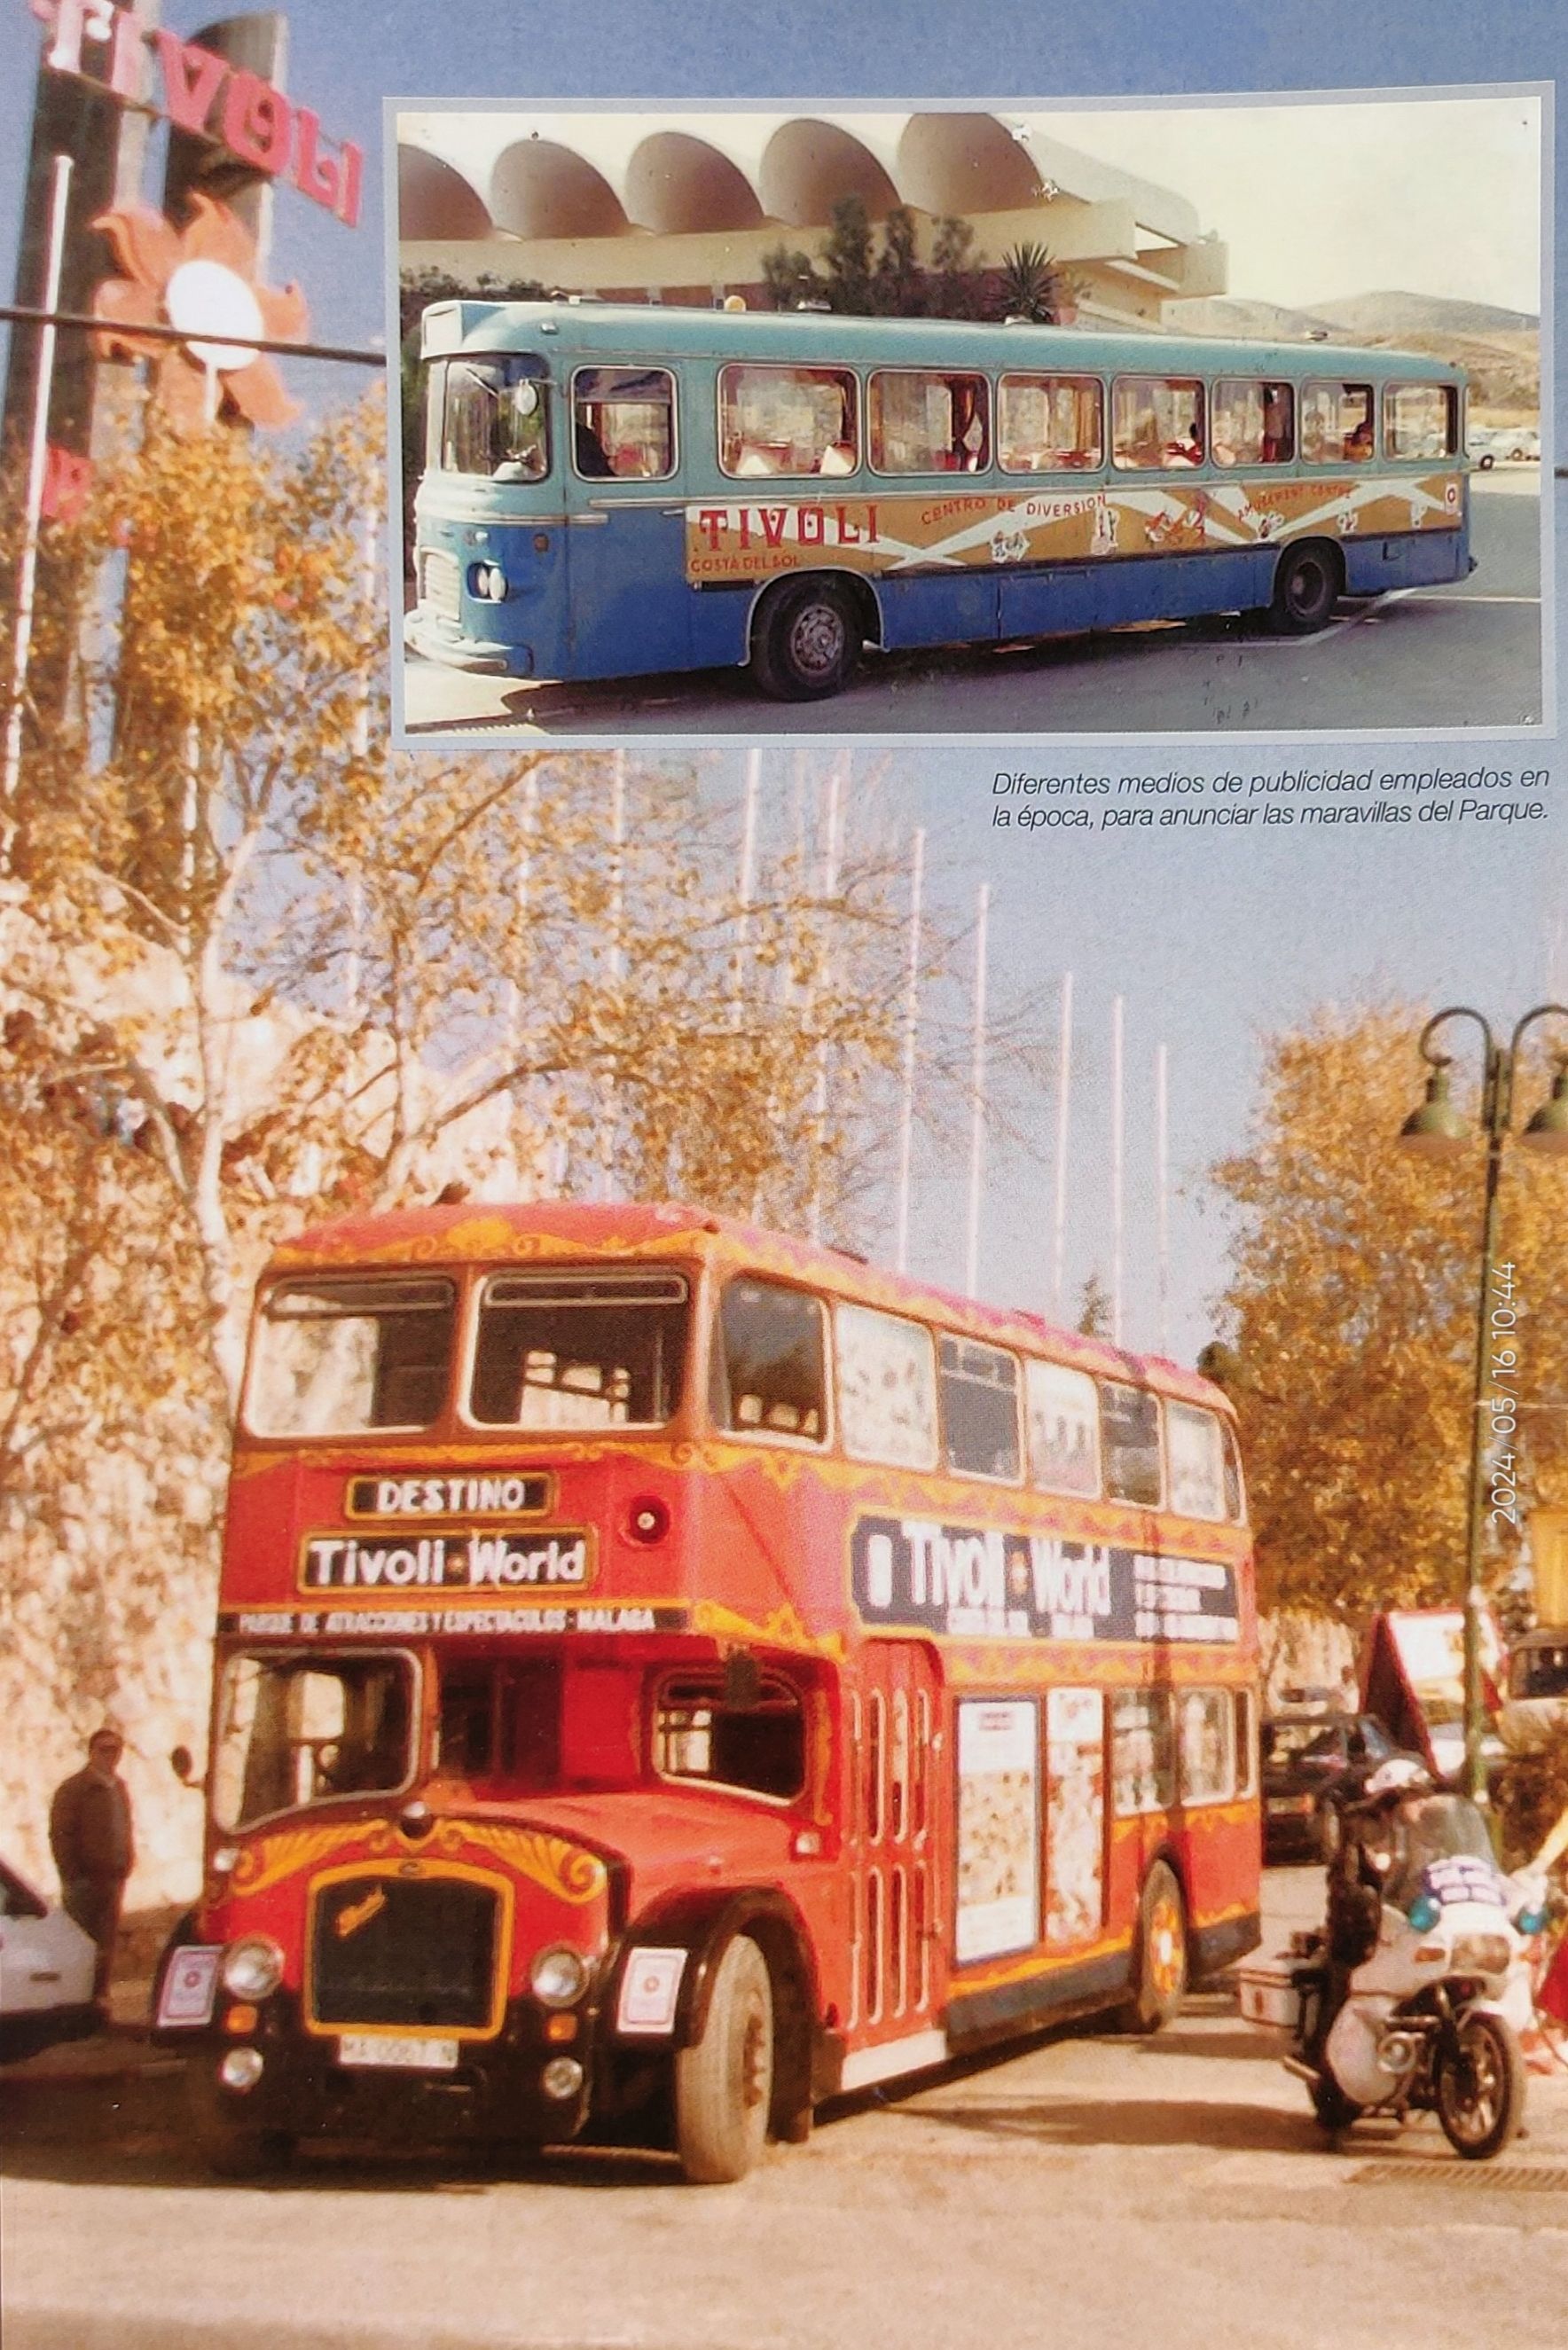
(1499, 349)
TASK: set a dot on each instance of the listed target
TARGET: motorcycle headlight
(253, 1969)
(1482, 1954)
(558, 1977)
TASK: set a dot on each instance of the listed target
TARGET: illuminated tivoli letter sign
(203, 94)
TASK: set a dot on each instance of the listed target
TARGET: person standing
(91, 1839)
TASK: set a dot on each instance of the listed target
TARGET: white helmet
(1400, 1775)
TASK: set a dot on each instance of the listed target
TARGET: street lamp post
(1438, 1130)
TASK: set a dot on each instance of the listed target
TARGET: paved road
(1091, 2192)
(1467, 655)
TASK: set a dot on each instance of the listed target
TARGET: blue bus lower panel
(1422, 559)
(638, 627)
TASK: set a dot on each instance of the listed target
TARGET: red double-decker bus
(668, 1675)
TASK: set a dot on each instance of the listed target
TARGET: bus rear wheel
(806, 641)
(1306, 588)
(724, 2081)
(1160, 1955)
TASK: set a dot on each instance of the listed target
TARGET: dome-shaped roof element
(677, 183)
(538, 187)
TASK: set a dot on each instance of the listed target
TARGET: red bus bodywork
(950, 1660)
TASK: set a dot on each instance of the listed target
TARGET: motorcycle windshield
(1430, 1829)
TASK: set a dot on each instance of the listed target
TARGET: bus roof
(508, 1233)
(636, 330)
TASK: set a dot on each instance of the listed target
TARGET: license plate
(1292, 1806)
(408, 2053)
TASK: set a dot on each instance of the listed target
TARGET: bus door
(624, 473)
(1074, 1817)
(896, 1778)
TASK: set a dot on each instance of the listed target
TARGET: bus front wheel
(1160, 1955)
(724, 2081)
(806, 641)
(1306, 588)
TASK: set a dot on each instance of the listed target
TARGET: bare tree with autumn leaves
(1350, 1319)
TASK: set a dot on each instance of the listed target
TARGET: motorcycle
(1413, 1994)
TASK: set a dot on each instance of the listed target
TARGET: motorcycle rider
(1362, 1857)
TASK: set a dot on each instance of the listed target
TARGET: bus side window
(1194, 1461)
(1421, 420)
(1252, 422)
(1143, 1759)
(979, 1409)
(1129, 1443)
(623, 423)
(1246, 1707)
(769, 1372)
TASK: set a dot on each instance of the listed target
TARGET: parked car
(1488, 443)
(1536, 1698)
(1305, 1757)
(47, 1966)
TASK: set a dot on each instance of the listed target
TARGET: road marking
(1451, 596)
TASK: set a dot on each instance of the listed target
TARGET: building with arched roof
(683, 207)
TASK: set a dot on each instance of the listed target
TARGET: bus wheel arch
(1161, 1951)
(1309, 580)
(806, 633)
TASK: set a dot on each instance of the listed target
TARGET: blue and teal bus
(613, 490)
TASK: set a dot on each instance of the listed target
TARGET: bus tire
(806, 640)
(1160, 1959)
(1306, 588)
(724, 2082)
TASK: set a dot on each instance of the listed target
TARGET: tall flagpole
(1117, 1171)
(911, 1030)
(819, 1091)
(1063, 1102)
(977, 1093)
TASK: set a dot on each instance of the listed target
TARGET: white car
(1489, 444)
(47, 1966)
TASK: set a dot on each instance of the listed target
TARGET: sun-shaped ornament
(200, 280)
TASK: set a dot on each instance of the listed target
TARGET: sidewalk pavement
(121, 2047)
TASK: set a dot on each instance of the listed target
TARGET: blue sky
(1212, 941)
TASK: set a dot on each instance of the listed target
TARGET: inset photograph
(1128, 422)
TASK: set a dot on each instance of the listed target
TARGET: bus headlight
(562, 2077)
(253, 1969)
(241, 2068)
(489, 582)
(558, 1977)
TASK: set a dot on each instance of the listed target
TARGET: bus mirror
(525, 398)
(742, 1681)
(183, 1763)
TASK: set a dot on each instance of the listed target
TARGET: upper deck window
(1064, 1429)
(1421, 420)
(579, 1350)
(769, 1362)
(1156, 421)
(923, 424)
(787, 421)
(494, 418)
(887, 1387)
(1050, 423)
(1129, 1442)
(1253, 422)
(979, 1409)
(1195, 1461)
(333, 1356)
(623, 423)
(1337, 423)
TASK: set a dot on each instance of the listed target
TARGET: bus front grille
(412, 1954)
(439, 584)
